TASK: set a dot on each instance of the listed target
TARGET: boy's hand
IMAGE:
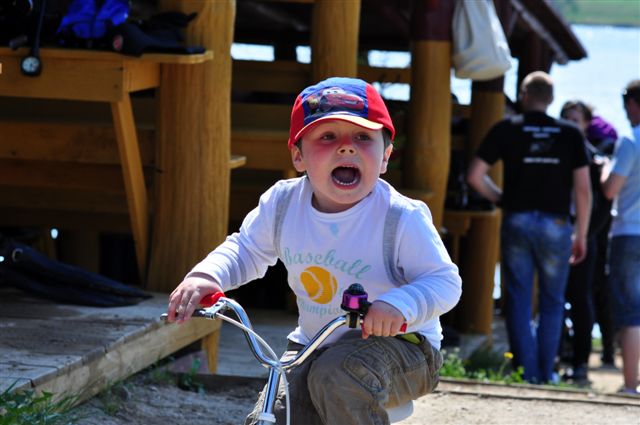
(382, 319)
(186, 297)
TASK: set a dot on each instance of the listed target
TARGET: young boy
(340, 224)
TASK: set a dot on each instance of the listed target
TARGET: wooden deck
(70, 349)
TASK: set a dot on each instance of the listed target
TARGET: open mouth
(346, 176)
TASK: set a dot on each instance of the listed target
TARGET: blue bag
(90, 19)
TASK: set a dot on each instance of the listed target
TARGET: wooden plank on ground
(123, 360)
(14, 384)
(74, 349)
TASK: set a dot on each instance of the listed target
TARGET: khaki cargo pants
(351, 381)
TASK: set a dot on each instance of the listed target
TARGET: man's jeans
(624, 274)
(533, 241)
(350, 382)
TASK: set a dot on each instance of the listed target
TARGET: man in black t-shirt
(544, 160)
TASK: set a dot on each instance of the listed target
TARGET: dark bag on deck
(25, 268)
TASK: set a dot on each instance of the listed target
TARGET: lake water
(613, 60)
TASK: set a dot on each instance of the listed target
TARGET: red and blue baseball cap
(337, 98)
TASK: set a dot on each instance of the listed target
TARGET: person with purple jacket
(579, 292)
(602, 135)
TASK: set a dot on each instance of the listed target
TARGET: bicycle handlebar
(354, 303)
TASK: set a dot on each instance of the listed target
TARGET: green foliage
(25, 407)
(112, 397)
(159, 375)
(453, 366)
(606, 12)
(483, 365)
(596, 344)
(189, 381)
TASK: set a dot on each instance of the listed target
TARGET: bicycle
(354, 302)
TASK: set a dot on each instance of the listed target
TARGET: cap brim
(354, 119)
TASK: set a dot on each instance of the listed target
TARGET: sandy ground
(141, 401)
(147, 398)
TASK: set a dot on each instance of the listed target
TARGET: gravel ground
(145, 400)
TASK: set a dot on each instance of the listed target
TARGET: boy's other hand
(186, 297)
(382, 319)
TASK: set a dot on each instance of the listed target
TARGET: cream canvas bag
(480, 48)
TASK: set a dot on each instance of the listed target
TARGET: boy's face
(343, 162)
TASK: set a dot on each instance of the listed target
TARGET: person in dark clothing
(603, 136)
(579, 291)
(544, 160)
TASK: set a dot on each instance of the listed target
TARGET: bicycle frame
(354, 302)
(223, 304)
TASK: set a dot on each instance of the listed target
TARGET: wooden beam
(428, 150)
(427, 153)
(263, 150)
(26, 110)
(475, 311)
(261, 116)
(125, 358)
(64, 175)
(193, 147)
(334, 39)
(78, 220)
(274, 77)
(68, 142)
(64, 200)
(133, 179)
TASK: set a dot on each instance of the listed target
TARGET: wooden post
(475, 311)
(193, 147)
(334, 39)
(428, 151)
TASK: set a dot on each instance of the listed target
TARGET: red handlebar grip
(403, 328)
(211, 299)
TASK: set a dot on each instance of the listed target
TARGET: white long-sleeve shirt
(395, 253)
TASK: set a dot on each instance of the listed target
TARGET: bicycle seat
(399, 413)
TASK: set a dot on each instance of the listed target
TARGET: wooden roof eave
(551, 27)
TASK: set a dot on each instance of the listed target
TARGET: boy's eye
(328, 136)
(363, 137)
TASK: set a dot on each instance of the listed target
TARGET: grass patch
(113, 396)
(483, 365)
(188, 381)
(487, 365)
(25, 407)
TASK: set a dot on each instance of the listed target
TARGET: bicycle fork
(267, 416)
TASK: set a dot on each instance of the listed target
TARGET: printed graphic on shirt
(353, 268)
(318, 278)
(542, 143)
(320, 285)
